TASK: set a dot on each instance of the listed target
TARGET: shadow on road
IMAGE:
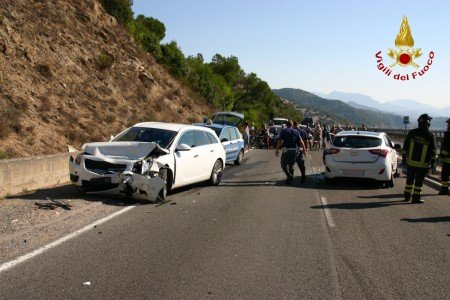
(389, 196)
(66, 192)
(427, 220)
(360, 205)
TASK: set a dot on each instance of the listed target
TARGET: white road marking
(8, 265)
(328, 216)
(432, 181)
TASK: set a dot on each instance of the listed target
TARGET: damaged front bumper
(137, 178)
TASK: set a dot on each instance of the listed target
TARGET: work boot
(443, 191)
(407, 196)
(416, 199)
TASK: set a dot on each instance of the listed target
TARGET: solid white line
(21, 259)
(432, 181)
(328, 216)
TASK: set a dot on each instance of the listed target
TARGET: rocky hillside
(70, 74)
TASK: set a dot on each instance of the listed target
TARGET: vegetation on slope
(222, 82)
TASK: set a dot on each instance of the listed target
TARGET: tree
(173, 58)
(120, 9)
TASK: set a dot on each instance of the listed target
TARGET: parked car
(279, 121)
(362, 154)
(274, 134)
(148, 159)
(225, 125)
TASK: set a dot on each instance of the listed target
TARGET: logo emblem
(405, 43)
(404, 56)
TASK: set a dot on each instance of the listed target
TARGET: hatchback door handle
(196, 155)
(211, 150)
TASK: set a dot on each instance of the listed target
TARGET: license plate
(354, 172)
(101, 180)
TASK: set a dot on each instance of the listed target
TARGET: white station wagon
(148, 159)
(362, 154)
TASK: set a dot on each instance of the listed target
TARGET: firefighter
(419, 154)
(445, 157)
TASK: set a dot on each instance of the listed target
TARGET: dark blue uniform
(290, 138)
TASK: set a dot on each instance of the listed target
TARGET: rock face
(70, 74)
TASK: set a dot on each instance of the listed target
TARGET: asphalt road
(254, 237)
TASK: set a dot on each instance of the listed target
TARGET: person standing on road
(419, 153)
(445, 157)
(246, 135)
(290, 140)
(317, 136)
(301, 155)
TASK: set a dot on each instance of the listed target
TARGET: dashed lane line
(8, 265)
(327, 212)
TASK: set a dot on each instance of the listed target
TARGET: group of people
(419, 154)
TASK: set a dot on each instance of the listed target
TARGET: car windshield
(162, 137)
(356, 142)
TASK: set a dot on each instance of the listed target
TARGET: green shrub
(105, 61)
(120, 9)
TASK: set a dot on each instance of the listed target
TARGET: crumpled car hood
(123, 150)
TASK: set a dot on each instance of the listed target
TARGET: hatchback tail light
(380, 152)
(333, 151)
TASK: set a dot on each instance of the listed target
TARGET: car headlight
(78, 159)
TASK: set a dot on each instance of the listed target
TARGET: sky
(317, 46)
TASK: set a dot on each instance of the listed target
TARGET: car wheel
(216, 173)
(164, 175)
(239, 158)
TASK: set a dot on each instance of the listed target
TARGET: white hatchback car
(148, 159)
(362, 154)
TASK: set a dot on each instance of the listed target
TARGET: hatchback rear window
(356, 142)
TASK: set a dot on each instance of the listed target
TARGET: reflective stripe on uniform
(424, 153)
(408, 188)
(417, 164)
(411, 149)
(417, 190)
(445, 184)
(446, 160)
(443, 152)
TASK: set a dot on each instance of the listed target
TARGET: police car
(225, 126)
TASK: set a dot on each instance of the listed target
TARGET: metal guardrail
(400, 134)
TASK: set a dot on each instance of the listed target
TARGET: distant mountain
(340, 109)
(402, 107)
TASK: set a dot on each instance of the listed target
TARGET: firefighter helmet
(424, 119)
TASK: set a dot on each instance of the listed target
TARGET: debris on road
(53, 204)
(15, 221)
(87, 283)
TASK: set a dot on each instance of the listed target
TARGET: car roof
(167, 126)
(212, 125)
(361, 133)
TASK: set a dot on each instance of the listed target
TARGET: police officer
(301, 154)
(290, 140)
(445, 157)
(419, 153)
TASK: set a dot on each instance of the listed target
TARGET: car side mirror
(224, 140)
(397, 147)
(183, 147)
